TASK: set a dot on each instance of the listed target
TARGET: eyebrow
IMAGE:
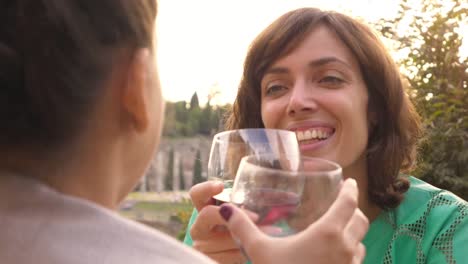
(312, 64)
(327, 60)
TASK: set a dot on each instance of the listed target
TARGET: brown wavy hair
(392, 143)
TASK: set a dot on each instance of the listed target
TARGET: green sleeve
(460, 240)
(451, 244)
(188, 239)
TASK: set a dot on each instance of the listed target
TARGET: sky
(202, 44)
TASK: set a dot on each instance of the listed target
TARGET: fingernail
(226, 212)
(353, 182)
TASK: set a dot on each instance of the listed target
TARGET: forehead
(320, 42)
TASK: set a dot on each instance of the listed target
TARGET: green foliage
(438, 79)
(217, 120)
(163, 207)
(170, 122)
(194, 101)
(205, 120)
(184, 218)
(197, 169)
(182, 120)
(193, 124)
(168, 180)
(160, 214)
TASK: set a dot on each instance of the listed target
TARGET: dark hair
(54, 56)
(393, 139)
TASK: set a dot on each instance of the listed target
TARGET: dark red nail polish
(225, 212)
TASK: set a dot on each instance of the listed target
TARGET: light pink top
(39, 225)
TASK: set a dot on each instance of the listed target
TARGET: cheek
(357, 125)
(157, 111)
(271, 113)
(355, 108)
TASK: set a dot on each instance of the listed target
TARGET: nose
(301, 100)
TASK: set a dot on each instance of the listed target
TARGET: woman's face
(317, 91)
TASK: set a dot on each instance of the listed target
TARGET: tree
(181, 175)
(218, 118)
(168, 180)
(193, 124)
(438, 79)
(194, 101)
(205, 120)
(197, 169)
(181, 111)
(181, 121)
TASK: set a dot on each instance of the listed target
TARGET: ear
(135, 94)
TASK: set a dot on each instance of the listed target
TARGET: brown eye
(331, 80)
(274, 89)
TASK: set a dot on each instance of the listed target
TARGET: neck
(370, 209)
(86, 178)
(358, 171)
(89, 172)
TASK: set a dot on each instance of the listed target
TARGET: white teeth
(320, 134)
(314, 133)
(300, 135)
(311, 134)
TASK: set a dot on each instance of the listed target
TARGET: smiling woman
(330, 79)
(328, 74)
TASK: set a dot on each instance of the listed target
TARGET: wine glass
(287, 193)
(230, 146)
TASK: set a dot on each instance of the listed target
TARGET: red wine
(271, 205)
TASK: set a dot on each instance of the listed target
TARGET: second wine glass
(287, 193)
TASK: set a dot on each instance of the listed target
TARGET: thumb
(242, 228)
(202, 193)
(344, 206)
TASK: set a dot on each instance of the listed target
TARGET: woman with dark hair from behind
(81, 112)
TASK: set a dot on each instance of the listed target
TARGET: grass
(163, 206)
(168, 216)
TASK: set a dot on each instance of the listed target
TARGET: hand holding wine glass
(287, 192)
(343, 226)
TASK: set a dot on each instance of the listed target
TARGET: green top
(429, 226)
(188, 238)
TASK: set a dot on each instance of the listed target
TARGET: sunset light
(202, 44)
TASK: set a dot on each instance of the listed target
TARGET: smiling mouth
(314, 135)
